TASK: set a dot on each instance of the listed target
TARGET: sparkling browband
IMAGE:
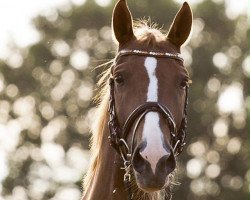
(124, 52)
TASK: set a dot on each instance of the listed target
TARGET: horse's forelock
(148, 33)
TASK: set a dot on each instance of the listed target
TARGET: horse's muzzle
(148, 179)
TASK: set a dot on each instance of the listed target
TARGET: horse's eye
(184, 84)
(119, 79)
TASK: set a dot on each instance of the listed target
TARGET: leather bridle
(118, 135)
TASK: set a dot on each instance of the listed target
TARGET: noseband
(118, 135)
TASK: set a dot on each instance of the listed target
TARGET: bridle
(118, 135)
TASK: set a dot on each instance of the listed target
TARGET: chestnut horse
(141, 121)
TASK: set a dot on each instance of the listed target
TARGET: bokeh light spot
(53, 154)
(213, 171)
(15, 60)
(103, 3)
(220, 60)
(56, 67)
(246, 66)
(236, 182)
(213, 84)
(213, 157)
(198, 187)
(197, 148)
(24, 105)
(85, 91)
(19, 193)
(195, 167)
(231, 99)
(79, 60)
(234, 145)
(73, 155)
(220, 128)
(78, 2)
(67, 193)
(12, 90)
(4, 170)
(60, 48)
(46, 110)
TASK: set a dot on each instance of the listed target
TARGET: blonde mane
(97, 129)
(148, 34)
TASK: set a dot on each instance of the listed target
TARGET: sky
(16, 20)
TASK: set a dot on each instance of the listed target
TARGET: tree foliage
(46, 107)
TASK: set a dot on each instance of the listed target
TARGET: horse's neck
(108, 181)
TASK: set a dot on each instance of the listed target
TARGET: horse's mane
(97, 128)
(148, 34)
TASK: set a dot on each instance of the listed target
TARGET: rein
(118, 135)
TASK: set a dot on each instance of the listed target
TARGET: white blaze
(151, 64)
(152, 133)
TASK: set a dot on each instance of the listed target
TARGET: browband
(124, 52)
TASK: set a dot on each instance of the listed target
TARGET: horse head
(149, 96)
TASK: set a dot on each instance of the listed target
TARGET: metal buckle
(127, 175)
(124, 151)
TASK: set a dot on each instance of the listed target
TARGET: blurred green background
(46, 106)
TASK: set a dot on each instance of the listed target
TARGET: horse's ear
(122, 22)
(181, 26)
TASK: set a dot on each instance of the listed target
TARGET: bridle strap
(118, 136)
(145, 108)
(135, 129)
(125, 52)
(117, 133)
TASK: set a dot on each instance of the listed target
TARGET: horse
(141, 120)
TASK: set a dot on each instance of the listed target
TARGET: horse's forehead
(135, 63)
(160, 46)
(134, 66)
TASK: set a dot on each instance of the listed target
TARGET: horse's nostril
(138, 161)
(166, 164)
(170, 163)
